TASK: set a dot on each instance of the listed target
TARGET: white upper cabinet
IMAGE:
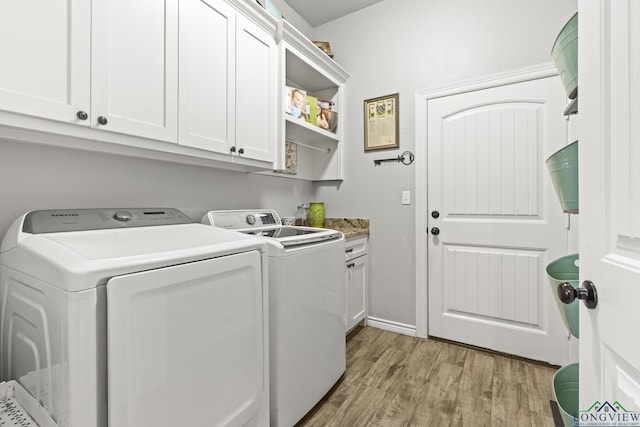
(92, 63)
(207, 55)
(134, 67)
(45, 47)
(256, 97)
(227, 81)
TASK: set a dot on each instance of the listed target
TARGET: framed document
(381, 122)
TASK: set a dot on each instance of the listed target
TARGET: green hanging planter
(563, 168)
(565, 56)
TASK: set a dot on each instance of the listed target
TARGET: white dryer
(135, 317)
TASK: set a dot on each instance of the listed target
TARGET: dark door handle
(435, 231)
(587, 293)
(435, 214)
(102, 120)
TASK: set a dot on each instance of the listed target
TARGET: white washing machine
(135, 317)
(306, 308)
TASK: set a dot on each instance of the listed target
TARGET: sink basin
(566, 269)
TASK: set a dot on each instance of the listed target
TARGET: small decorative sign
(290, 158)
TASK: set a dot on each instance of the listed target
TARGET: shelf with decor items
(317, 155)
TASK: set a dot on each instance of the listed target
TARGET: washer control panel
(61, 220)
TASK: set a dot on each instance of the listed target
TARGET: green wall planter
(563, 168)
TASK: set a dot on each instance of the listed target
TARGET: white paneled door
(609, 67)
(494, 221)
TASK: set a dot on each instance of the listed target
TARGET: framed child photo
(381, 116)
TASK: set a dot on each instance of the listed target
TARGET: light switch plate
(406, 197)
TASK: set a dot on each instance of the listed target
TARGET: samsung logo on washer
(65, 214)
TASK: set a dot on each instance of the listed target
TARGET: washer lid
(78, 260)
(293, 236)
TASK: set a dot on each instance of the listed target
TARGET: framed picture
(381, 122)
(325, 47)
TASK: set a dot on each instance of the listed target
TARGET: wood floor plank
(397, 380)
(540, 388)
(386, 369)
(509, 404)
(396, 408)
(476, 389)
(435, 407)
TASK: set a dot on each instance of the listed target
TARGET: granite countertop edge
(350, 227)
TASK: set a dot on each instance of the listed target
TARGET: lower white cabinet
(355, 281)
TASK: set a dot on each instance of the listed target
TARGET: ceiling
(318, 12)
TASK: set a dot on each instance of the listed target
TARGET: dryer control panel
(62, 220)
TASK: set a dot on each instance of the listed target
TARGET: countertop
(350, 227)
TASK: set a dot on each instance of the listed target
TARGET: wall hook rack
(405, 158)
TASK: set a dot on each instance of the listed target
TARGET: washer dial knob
(251, 219)
(123, 216)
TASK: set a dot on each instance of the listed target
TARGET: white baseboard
(391, 326)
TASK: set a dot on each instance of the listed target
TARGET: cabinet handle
(82, 115)
(241, 151)
(349, 250)
(232, 149)
(351, 265)
(102, 120)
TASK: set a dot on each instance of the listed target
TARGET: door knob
(241, 151)
(435, 231)
(81, 115)
(587, 293)
(232, 149)
(102, 120)
(435, 214)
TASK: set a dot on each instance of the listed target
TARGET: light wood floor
(397, 380)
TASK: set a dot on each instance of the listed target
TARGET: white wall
(294, 19)
(46, 177)
(403, 46)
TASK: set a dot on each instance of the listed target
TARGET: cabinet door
(356, 288)
(135, 67)
(45, 48)
(256, 103)
(207, 75)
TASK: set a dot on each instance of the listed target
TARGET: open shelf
(301, 131)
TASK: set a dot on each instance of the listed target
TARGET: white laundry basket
(19, 409)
